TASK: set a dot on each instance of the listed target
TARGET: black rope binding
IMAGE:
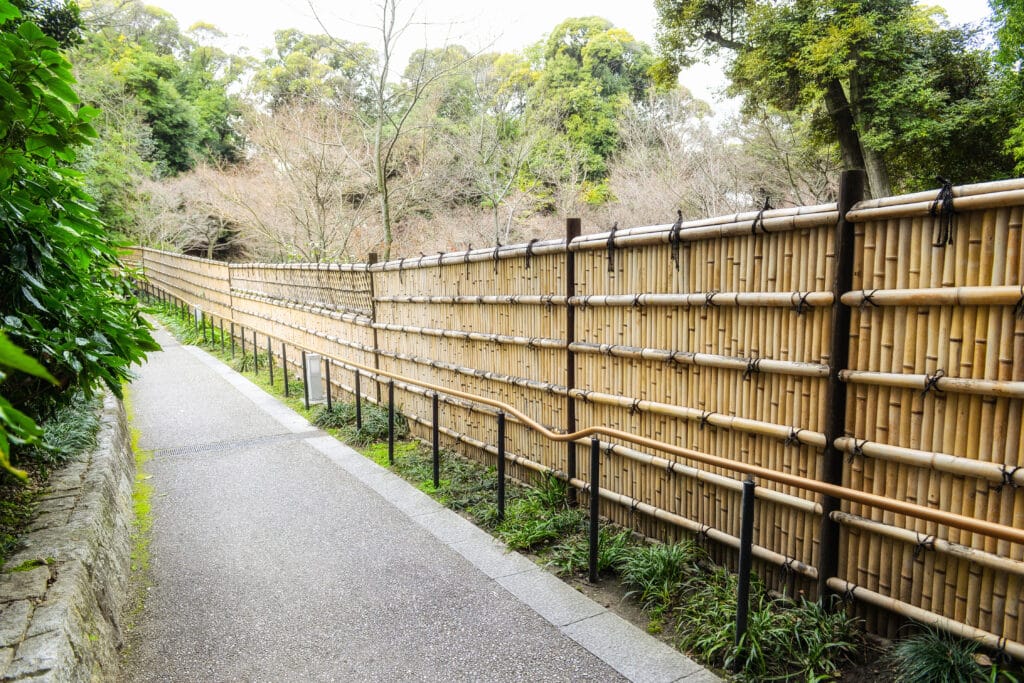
(636, 300)
(1008, 478)
(787, 566)
(709, 299)
(401, 273)
(801, 305)
(634, 505)
(794, 437)
(858, 450)
(702, 534)
(848, 596)
(753, 365)
(609, 449)
(759, 220)
(465, 259)
(943, 209)
(1019, 308)
(497, 248)
(868, 298)
(924, 543)
(529, 251)
(705, 419)
(670, 467)
(674, 237)
(440, 262)
(931, 383)
(635, 407)
(611, 247)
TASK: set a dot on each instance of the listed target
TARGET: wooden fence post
(371, 258)
(573, 227)
(851, 191)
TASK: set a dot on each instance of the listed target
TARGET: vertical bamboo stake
(851, 190)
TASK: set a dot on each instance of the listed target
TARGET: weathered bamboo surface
(713, 335)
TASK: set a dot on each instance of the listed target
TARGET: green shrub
(375, 426)
(656, 574)
(70, 431)
(573, 556)
(63, 296)
(934, 656)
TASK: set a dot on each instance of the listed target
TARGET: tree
(1009, 22)
(390, 105)
(874, 70)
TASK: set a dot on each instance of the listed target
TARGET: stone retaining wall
(63, 592)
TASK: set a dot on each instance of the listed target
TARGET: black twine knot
(636, 300)
(794, 437)
(759, 220)
(609, 448)
(634, 505)
(753, 365)
(674, 237)
(868, 298)
(585, 395)
(611, 247)
(1008, 478)
(635, 407)
(848, 595)
(529, 251)
(943, 209)
(709, 299)
(705, 419)
(931, 383)
(924, 543)
(465, 259)
(858, 449)
(801, 304)
(401, 273)
(702, 534)
(670, 467)
(1019, 308)
(787, 566)
(497, 249)
(531, 343)
(547, 300)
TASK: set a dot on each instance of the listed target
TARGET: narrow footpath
(280, 554)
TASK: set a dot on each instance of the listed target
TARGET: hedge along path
(714, 336)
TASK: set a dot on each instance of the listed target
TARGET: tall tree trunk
(874, 164)
(838, 107)
(382, 189)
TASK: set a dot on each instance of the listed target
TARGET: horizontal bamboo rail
(710, 360)
(1002, 295)
(931, 543)
(924, 208)
(988, 640)
(975, 189)
(936, 382)
(795, 300)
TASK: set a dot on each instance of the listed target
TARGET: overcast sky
(504, 26)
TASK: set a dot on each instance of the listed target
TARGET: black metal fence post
(202, 324)
(327, 382)
(746, 557)
(391, 422)
(242, 335)
(232, 341)
(255, 354)
(305, 387)
(284, 367)
(436, 438)
(222, 335)
(359, 403)
(270, 362)
(595, 506)
(501, 466)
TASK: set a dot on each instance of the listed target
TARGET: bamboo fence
(717, 336)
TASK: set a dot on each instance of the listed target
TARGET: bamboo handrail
(980, 526)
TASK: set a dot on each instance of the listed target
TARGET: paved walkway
(279, 554)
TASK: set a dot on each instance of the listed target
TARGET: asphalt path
(279, 554)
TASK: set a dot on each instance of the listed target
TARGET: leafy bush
(936, 656)
(63, 296)
(573, 556)
(71, 430)
(375, 426)
(657, 574)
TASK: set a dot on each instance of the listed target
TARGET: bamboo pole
(985, 295)
(936, 382)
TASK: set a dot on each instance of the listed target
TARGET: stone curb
(63, 592)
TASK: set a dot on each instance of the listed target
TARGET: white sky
(503, 26)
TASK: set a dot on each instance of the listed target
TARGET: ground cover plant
(685, 598)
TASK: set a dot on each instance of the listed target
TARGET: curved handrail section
(943, 517)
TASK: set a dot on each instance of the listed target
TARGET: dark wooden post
(573, 227)
(851, 191)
